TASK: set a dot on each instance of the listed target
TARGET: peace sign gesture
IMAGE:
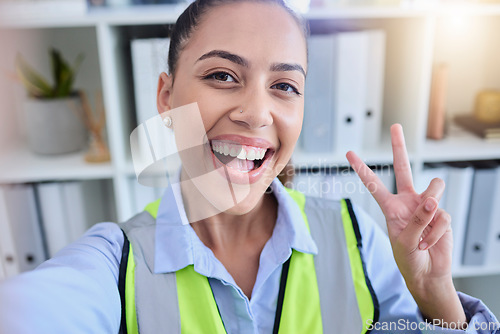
(419, 232)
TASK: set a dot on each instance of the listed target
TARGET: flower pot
(55, 126)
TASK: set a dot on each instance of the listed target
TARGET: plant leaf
(70, 78)
(31, 89)
(56, 60)
(34, 83)
(66, 85)
(64, 78)
(67, 76)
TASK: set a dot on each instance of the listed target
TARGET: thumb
(423, 215)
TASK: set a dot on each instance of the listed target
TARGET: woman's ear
(164, 93)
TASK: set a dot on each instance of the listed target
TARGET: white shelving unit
(416, 39)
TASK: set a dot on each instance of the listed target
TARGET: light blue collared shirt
(178, 246)
(76, 291)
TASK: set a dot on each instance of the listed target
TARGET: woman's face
(248, 57)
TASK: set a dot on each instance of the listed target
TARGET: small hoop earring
(241, 111)
(168, 122)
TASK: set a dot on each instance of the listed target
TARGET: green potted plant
(54, 117)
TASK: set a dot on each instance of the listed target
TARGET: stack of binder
(38, 220)
(472, 198)
(344, 92)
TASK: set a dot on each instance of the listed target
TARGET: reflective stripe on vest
(193, 291)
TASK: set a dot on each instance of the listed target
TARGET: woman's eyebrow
(225, 55)
(280, 67)
(276, 67)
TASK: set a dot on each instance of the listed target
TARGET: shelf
(460, 145)
(475, 271)
(29, 16)
(137, 15)
(20, 165)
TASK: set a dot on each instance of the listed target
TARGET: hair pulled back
(189, 20)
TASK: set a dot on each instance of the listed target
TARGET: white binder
(149, 59)
(317, 130)
(493, 248)
(374, 88)
(425, 177)
(480, 216)
(24, 226)
(86, 206)
(9, 259)
(350, 92)
(458, 193)
(54, 216)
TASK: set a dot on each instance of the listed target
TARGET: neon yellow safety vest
(322, 293)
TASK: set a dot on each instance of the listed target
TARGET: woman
(241, 65)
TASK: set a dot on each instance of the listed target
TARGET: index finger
(401, 163)
(369, 178)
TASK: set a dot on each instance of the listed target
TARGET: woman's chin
(244, 206)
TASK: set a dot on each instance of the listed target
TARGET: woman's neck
(225, 232)
(221, 228)
(236, 240)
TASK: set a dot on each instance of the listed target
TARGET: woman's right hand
(419, 232)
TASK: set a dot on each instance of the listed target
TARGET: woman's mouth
(243, 161)
(240, 157)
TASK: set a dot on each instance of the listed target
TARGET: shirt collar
(177, 245)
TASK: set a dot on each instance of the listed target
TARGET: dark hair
(189, 20)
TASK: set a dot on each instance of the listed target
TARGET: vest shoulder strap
(126, 287)
(340, 263)
(146, 308)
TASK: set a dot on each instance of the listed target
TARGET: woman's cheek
(293, 128)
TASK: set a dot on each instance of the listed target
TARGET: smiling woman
(229, 70)
(229, 249)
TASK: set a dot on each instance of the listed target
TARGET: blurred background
(76, 77)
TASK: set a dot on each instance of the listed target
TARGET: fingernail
(423, 245)
(430, 204)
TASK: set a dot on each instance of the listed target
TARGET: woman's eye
(286, 88)
(222, 76)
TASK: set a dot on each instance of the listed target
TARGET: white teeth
(240, 152)
(242, 155)
(251, 155)
(233, 151)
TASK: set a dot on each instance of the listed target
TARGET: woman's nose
(255, 111)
